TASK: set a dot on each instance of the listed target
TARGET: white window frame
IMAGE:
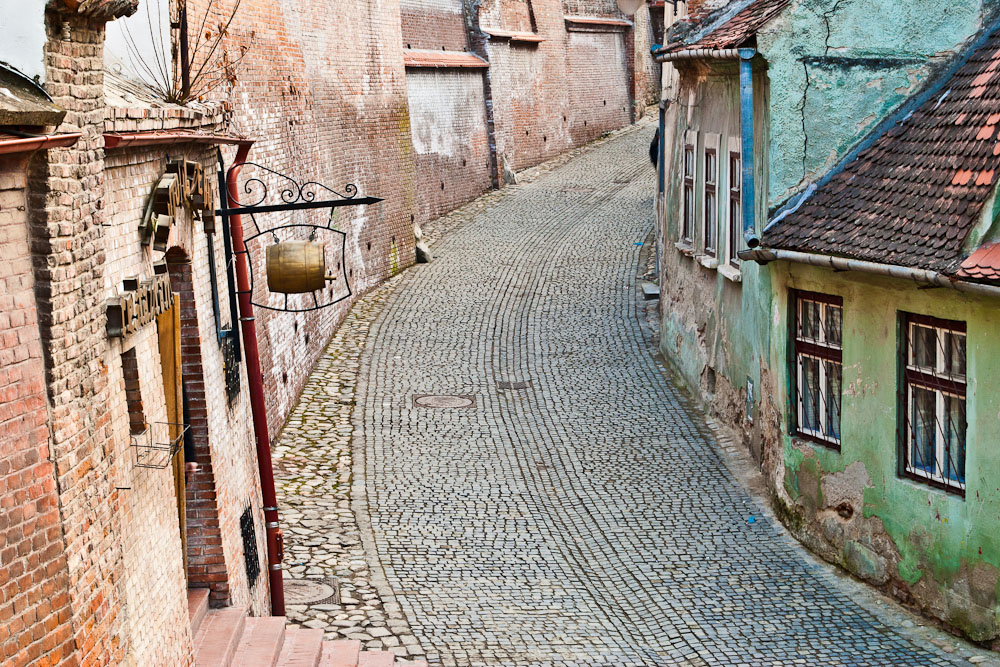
(729, 264)
(940, 405)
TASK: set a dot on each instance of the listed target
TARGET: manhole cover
(311, 591)
(444, 400)
(519, 384)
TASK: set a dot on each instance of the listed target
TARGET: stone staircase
(224, 637)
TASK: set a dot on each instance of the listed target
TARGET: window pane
(710, 167)
(922, 429)
(688, 211)
(735, 224)
(834, 380)
(735, 173)
(808, 319)
(954, 358)
(954, 433)
(688, 162)
(924, 347)
(710, 221)
(809, 393)
(834, 315)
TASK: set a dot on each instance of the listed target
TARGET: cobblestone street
(491, 466)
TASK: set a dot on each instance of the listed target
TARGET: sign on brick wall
(139, 305)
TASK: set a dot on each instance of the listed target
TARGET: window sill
(708, 261)
(730, 272)
(685, 248)
(806, 439)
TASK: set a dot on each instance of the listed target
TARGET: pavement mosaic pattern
(579, 512)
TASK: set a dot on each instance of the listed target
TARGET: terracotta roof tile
(732, 32)
(912, 197)
(983, 264)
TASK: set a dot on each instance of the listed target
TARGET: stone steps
(224, 637)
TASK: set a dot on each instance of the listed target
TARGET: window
(687, 223)
(735, 208)
(711, 209)
(818, 369)
(934, 402)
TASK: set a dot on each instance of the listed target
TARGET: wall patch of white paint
(440, 106)
(23, 44)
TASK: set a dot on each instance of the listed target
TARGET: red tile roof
(983, 264)
(730, 33)
(415, 58)
(912, 197)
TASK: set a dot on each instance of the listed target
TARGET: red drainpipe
(256, 381)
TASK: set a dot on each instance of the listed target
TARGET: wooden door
(169, 329)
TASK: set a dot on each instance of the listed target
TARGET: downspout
(661, 184)
(921, 276)
(746, 135)
(256, 382)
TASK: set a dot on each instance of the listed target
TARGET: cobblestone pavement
(583, 514)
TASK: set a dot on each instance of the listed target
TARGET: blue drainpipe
(746, 132)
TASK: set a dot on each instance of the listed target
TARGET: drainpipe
(922, 276)
(256, 382)
(746, 133)
(662, 175)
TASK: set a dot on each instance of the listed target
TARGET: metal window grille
(711, 209)
(250, 556)
(933, 437)
(735, 203)
(818, 366)
(688, 221)
(231, 365)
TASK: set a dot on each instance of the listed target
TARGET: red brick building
(128, 469)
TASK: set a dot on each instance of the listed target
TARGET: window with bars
(687, 224)
(711, 209)
(735, 203)
(818, 372)
(933, 397)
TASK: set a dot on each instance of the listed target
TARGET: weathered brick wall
(34, 590)
(450, 143)
(65, 216)
(323, 91)
(433, 24)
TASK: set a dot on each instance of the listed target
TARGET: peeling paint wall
(925, 546)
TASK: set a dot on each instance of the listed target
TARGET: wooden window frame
(825, 352)
(710, 203)
(943, 383)
(734, 222)
(687, 194)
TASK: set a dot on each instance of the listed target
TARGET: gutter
(29, 144)
(255, 380)
(695, 54)
(921, 276)
(159, 138)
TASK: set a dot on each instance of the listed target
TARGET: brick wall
(323, 91)
(65, 217)
(34, 595)
(433, 24)
(450, 142)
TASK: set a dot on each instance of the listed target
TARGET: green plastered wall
(925, 545)
(730, 339)
(838, 67)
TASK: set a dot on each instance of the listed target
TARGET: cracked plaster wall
(838, 68)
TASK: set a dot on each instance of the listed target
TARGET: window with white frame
(933, 447)
(687, 214)
(710, 209)
(734, 222)
(817, 334)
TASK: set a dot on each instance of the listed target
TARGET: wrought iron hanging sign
(304, 260)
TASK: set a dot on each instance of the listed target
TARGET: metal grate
(250, 556)
(231, 361)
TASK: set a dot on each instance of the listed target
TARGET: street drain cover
(312, 591)
(520, 384)
(444, 400)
